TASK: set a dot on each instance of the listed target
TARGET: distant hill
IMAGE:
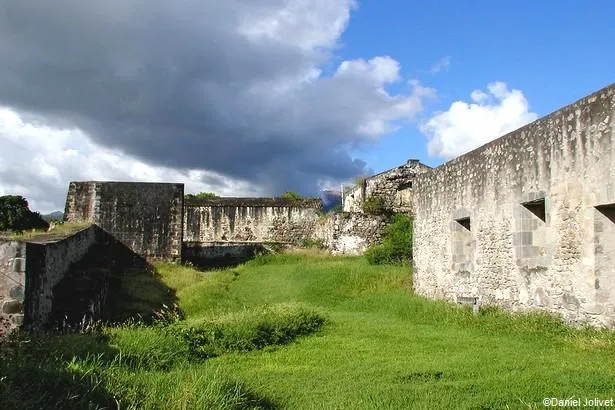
(53, 216)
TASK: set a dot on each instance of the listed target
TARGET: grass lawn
(380, 347)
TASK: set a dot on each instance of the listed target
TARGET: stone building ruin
(393, 187)
(526, 221)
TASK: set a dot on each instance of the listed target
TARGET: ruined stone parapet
(250, 219)
(350, 233)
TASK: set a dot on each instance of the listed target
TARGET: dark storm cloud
(180, 84)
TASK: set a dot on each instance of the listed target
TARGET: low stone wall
(46, 265)
(30, 270)
(350, 233)
(250, 220)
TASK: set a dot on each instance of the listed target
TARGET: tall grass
(253, 337)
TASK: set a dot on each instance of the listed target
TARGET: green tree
(291, 195)
(201, 195)
(16, 216)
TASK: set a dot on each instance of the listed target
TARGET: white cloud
(304, 23)
(441, 65)
(465, 126)
(381, 70)
(39, 161)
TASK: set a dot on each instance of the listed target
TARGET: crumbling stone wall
(250, 219)
(12, 284)
(350, 233)
(393, 186)
(526, 221)
(46, 265)
(56, 279)
(29, 271)
(146, 217)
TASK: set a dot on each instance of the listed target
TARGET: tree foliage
(201, 195)
(291, 195)
(16, 216)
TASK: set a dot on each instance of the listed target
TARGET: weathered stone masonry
(29, 271)
(394, 186)
(350, 233)
(250, 219)
(146, 217)
(526, 221)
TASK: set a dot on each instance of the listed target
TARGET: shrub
(251, 330)
(201, 195)
(291, 195)
(374, 205)
(396, 246)
(313, 243)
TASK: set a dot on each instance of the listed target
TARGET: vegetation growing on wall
(291, 195)
(374, 205)
(16, 216)
(396, 247)
(360, 181)
(201, 195)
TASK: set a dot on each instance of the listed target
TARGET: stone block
(16, 319)
(12, 307)
(19, 264)
(17, 292)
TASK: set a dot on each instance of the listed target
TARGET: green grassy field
(305, 331)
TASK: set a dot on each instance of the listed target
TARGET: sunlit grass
(381, 347)
(57, 232)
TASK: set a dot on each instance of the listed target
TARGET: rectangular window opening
(607, 210)
(465, 222)
(405, 186)
(537, 207)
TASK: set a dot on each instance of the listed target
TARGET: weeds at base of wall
(311, 243)
(396, 246)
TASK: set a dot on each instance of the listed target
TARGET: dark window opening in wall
(405, 186)
(608, 211)
(537, 207)
(465, 222)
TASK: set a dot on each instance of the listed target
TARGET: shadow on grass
(206, 256)
(82, 371)
(113, 284)
(35, 374)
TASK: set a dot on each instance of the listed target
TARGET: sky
(260, 97)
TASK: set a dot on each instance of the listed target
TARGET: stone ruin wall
(350, 233)
(512, 255)
(250, 220)
(29, 271)
(394, 186)
(146, 217)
